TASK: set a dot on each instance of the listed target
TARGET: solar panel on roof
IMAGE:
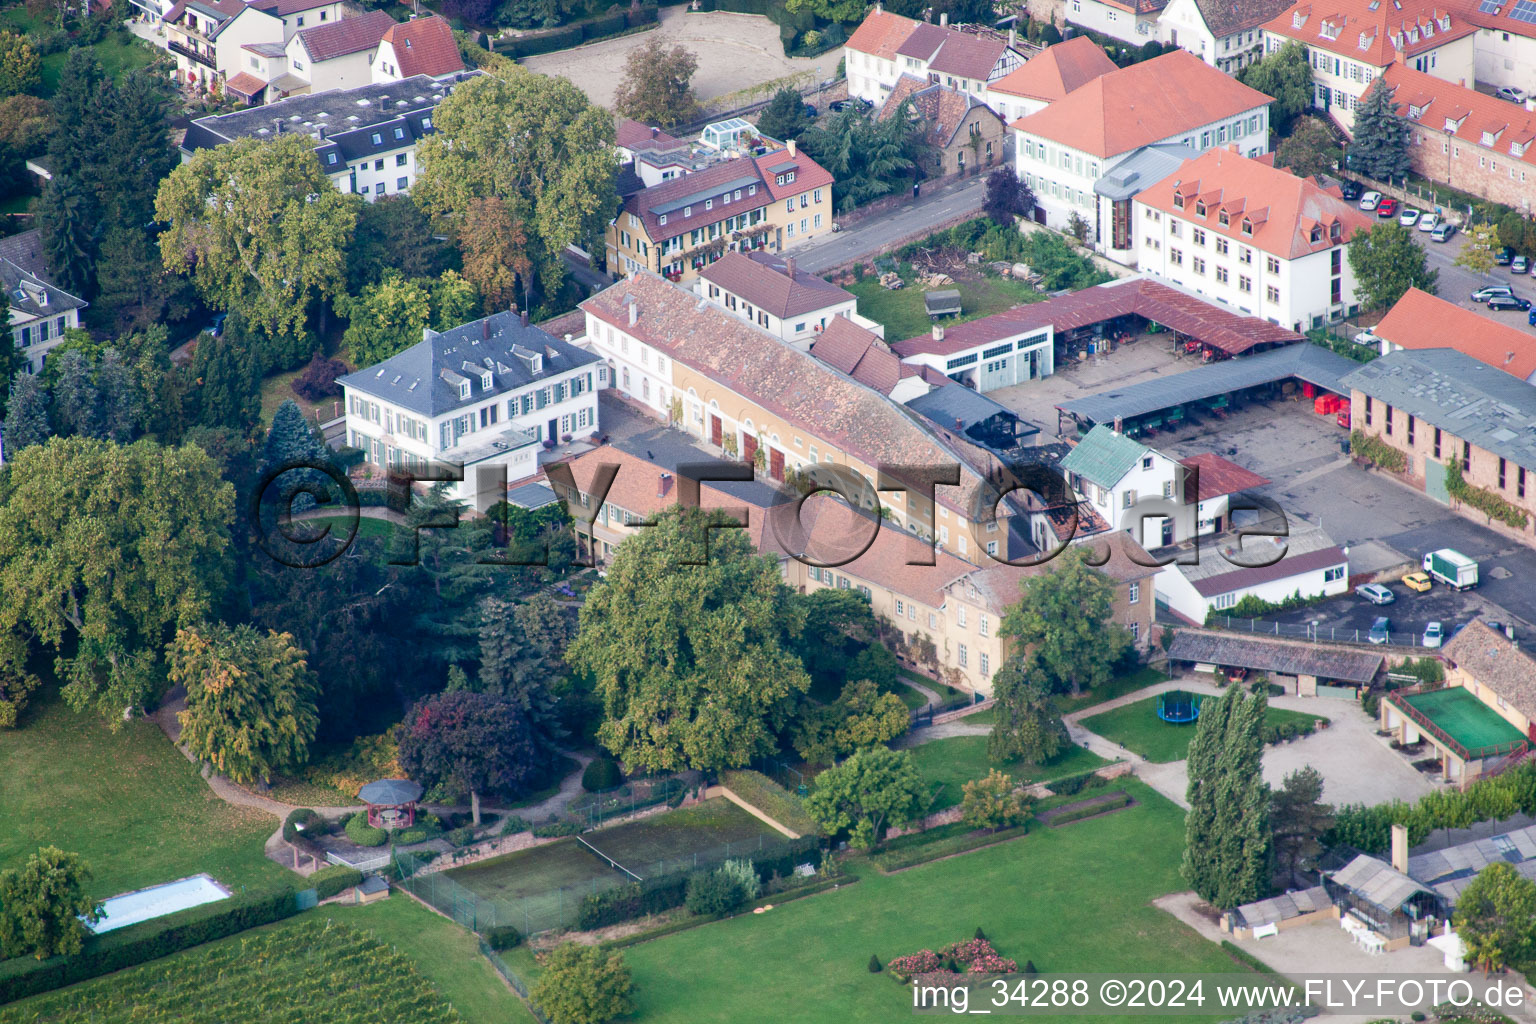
(1490, 6)
(1524, 10)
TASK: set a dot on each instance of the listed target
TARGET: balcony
(193, 54)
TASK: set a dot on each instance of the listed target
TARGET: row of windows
(40, 332)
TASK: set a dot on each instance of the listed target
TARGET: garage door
(1340, 692)
(1434, 481)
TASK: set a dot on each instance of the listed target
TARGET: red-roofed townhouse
(1047, 77)
(421, 46)
(1252, 236)
(336, 55)
(1064, 150)
(770, 291)
(1226, 34)
(210, 39)
(1420, 320)
(1352, 42)
(1131, 21)
(886, 46)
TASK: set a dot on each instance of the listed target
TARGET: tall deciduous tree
(1479, 255)
(656, 86)
(44, 906)
(1387, 262)
(1008, 197)
(1380, 148)
(875, 788)
(467, 741)
(532, 140)
(1227, 830)
(113, 547)
(584, 985)
(1026, 726)
(861, 716)
(1496, 918)
(393, 233)
(495, 251)
(385, 320)
(454, 301)
(1064, 621)
(1285, 75)
(1299, 818)
(250, 699)
(259, 227)
(684, 640)
(1309, 150)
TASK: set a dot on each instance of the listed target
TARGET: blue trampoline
(1179, 707)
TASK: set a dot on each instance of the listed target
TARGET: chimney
(277, 125)
(655, 131)
(938, 332)
(1013, 38)
(634, 313)
(567, 339)
(1509, 357)
(789, 272)
(944, 19)
(1400, 848)
(524, 318)
(794, 147)
(663, 485)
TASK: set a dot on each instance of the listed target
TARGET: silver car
(1429, 222)
(1434, 635)
(1375, 593)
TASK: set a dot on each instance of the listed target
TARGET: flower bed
(973, 956)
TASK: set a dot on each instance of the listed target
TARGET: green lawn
(127, 801)
(340, 525)
(278, 388)
(902, 312)
(1137, 728)
(1070, 899)
(949, 764)
(703, 828)
(1117, 687)
(119, 50)
(912, 698)
(944, 690)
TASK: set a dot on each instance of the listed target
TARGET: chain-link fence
(593, 809)
(1317, 634)
(517, 983)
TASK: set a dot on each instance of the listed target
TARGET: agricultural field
(126, 801)
(1137, 728)
(948, 764)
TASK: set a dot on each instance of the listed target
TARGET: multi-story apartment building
(365, 138)
(1440, 407)
(1066, 148)
(1047, 77)
(681, 225)
(210, 38)
(886, 46)
(1351, 43)
(1226, 35)
(770, 291)
(1252, 236)
(1130, 21)
(40, 312)
(482, 396)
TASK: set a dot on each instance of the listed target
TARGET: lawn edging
(1093, 807)
(695, 921)
(940, 849)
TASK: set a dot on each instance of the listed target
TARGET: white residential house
(1131, 21)
(483, 396)
(1226, 34)
(338, 54)
(637, 370)
(420, 46)
(1047, 77)
(209, 38)
(1218, 481)
(39, 312)
(1252, 236)
(767, 289)
(1306, 562)
(1134, 488)
(886, 46)
(1064, 150)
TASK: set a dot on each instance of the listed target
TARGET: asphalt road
(878, 234)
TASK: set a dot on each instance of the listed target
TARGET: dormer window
(778, 179)
(1317, 234)
(790, 176)
(487, 381)
(725, 199)
(1298, 19)
(1518, 148)
(1451, 124)
(426, 122)
(1335, 232)
(1223, 219)
(464, 389)
(1199, 208)
(330, 158)
(1247, 227)
(709, 204)
(662, 219)
(1415, 111)
(399, 133)
(377, 138)
(1178, 201)
(1445, 23)
(751, 190)
(687, 211)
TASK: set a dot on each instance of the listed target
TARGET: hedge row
(895, 860)
(576, 33)
(1369, 829)
(683, 924)
(139, 944)
(327, 882)
(772, 799)
(1110, 802)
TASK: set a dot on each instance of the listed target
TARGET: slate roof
(942, 109)
(22, 270)
(25, 249)
(425, 46)
(349, 35)
(1378, 883)
(763, 280)
(1420, 320)
(1228, 17)
(424, 378)
(1218, 477)
(1141, 104)
(1306, 550)
(1148, 164)
(1493, 660)
(1264, 206)
(861, 354)
(1104, 456)
(957, 407)
(1057, 70)
(1373, 32)
(1457, 393)
(1283, 657)
(1284, 907)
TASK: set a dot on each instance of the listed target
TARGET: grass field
(949, 764)
(675, 835)
(278, 388)
(1070, 899)
(340, 526)
(1137, 728)
(127, 801)
(902, 312)
(119, 51)
(278, 973)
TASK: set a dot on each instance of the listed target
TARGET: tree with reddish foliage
(494, 246)
(479, 742)
(318, 381)
(1008, 197)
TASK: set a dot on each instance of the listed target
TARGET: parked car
(1428, 222)
(1499, 303)
(1375, 593)
(811, 112)
(1351, 190)
(1387, 208)
(1417, 581)
(1484, 294)
(1409, 217)
(1370, 200)
(1512, 94)
(854, 103)
(1367, 338)
(1381, 630)
(1434, 635)
(1442, 232)
(215, 327)
(1530, 318)
(1519, 265)
(1504, 257)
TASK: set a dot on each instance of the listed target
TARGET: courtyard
(735, 51)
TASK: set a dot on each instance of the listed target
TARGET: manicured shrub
(980, 934)
(503, 937)
(551, 829)
(512, 825)
(920, 853)
(301, 816)
(714, 894)
(318, 381)
(361, 833)
(744, 874)
(460, 836)
(1114, 801)
(1029, 967)
(327, 882)
(874, 964)
(600, 775)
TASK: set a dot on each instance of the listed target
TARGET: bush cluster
(1287, 731)
(714, 893)
(552, 829)
(426, 826)
(577, 32)
(601, 774)
(1369, 829)
(361, 833)
(503, 937)
(460, 836)
(1112, 801)
(920, 853)
(318, 381)
(327, 882)
(311, 821)
(1376, 451)
(511, 825)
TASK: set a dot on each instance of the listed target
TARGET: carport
(1305, 669)
(1215, 389)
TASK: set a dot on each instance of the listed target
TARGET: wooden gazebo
(391, 802)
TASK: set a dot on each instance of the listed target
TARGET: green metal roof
(1103, 457)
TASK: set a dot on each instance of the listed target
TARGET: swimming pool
(157, 901)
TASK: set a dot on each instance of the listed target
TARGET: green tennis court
(1464, 718)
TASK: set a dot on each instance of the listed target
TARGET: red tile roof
(1001, 585)
(1219, 477)
(1371, 31)
(1057, 70)
(349, 35)
(942, 109)
(1285, 216)
(634, 135)
(967, 56)
(861, 354)
(1420, 320)
(711, 184)
(808, 173)
(425, 46)
(1229, 331)
(1438, 105)
(763, 280)
(1142, 104)
(246, 84)
(881, 34)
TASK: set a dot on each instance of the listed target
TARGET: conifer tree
(1380, 149)
(76, 402)
(26, 416)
